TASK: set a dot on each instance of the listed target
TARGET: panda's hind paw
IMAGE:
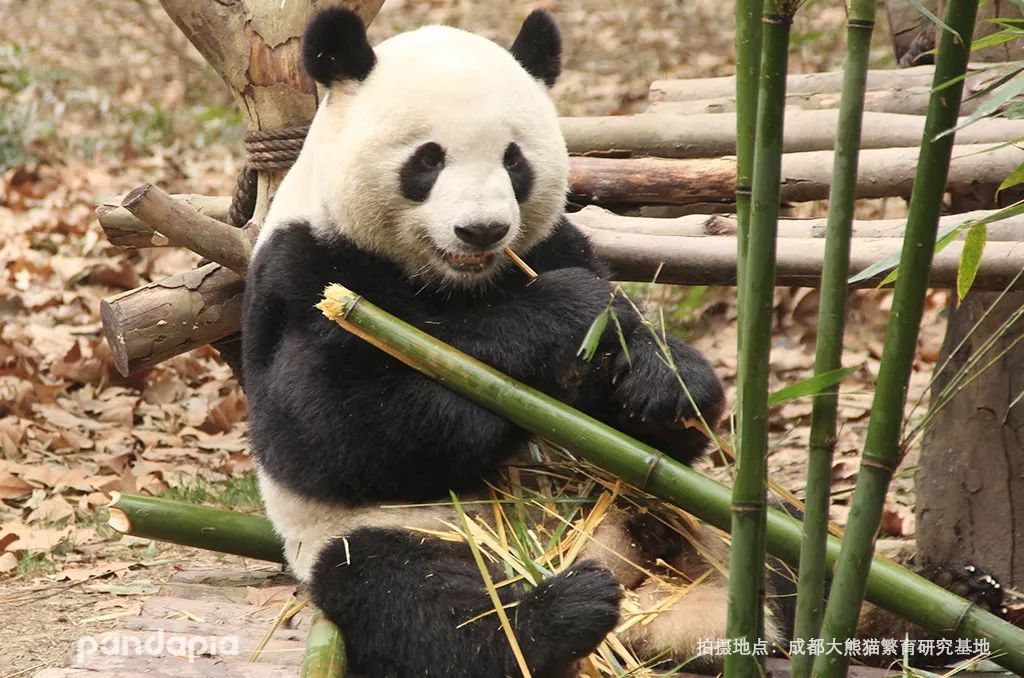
(576, 608)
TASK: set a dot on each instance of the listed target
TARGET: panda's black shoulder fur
(335, 418)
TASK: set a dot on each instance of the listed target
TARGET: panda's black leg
(400, 598)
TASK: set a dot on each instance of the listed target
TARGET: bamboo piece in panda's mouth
(523, 266)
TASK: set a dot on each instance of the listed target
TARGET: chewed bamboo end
(337, 302)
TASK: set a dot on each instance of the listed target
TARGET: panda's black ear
(538, 47)
(334, 47)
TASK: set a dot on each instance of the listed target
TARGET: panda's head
(438, 149)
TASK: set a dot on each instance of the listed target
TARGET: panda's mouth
(468, 261)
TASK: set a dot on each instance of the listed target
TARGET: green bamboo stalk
(749, 497)
(207, 528)
(890, 586)
(831, 322)
(325, 650)
(748, 68)
(882, 444)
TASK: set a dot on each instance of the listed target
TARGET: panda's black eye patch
(519, 171)
(420, 171)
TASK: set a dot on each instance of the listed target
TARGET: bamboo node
(652, 465)
(861, 23)
(777, 19)
(748, 506)
(874, 462)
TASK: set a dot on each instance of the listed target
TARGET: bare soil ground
(96, 98)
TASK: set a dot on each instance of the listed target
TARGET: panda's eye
(513, 157)
(430, 156)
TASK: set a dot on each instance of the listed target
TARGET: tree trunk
(970, 486)
(254, 45)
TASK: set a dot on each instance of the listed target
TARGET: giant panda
(427, 157)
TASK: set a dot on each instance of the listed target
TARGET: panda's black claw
(971, 582)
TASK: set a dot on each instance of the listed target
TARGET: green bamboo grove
(882, 445)
(831, 321)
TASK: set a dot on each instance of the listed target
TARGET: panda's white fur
(432, 84)
(307, 525)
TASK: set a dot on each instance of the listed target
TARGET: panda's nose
(482, 234)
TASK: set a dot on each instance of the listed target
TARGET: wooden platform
(202, 623)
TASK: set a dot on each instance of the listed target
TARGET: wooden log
(710, 225)
(184, 227)
(150, 324)
(813, 83)
(712, 261)
(806, 176)
(669, 135)
(907, 101)
(126, 230)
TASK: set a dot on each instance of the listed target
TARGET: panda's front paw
(971, 582)
(649, 390)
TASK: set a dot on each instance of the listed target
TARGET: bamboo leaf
(1009, 91)
(946, 235)
(994, 85)
(927, 14)
(996, 39)
(1016, 177)
(592, 340)
(970, 259)
(492, 592)
(811, 386)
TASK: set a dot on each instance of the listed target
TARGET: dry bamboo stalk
(911, 101)
(522, 265)
(125, 230)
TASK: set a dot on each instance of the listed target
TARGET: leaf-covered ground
(96, 98)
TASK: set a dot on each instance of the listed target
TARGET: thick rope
(267, 151)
